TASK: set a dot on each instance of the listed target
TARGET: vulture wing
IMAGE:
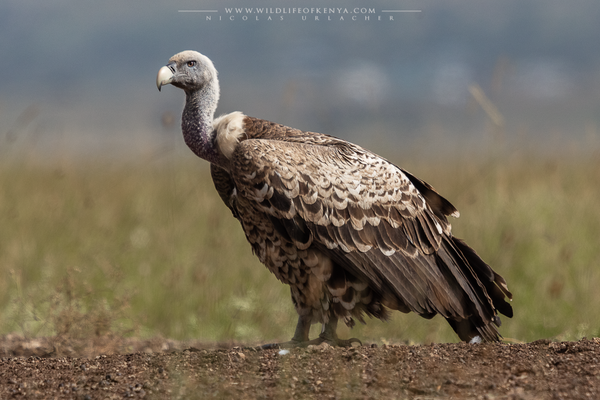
(375, 220)
(225, 187)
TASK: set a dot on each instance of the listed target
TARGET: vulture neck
(197, 123)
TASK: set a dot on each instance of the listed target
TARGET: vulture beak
(165, 76)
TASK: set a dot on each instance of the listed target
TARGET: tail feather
(468, 331)
(486, 291)
(494, 283)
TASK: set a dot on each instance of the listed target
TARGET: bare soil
(111, 367)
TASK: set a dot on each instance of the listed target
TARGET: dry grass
(148, 249)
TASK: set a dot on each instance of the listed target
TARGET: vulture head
(188, 70)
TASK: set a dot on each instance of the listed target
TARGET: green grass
(148, 249)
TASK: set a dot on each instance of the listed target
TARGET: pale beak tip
(164, 77)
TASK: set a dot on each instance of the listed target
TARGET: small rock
(325, 346)
(312, 348)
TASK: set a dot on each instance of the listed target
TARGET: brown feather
(377, 223)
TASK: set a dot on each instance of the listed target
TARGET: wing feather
(392, 238)
(224, 185)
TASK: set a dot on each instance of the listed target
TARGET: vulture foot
(328, 335)
(284, 345)
(335, 341)
(332, 341)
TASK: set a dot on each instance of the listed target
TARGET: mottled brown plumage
(351, 233)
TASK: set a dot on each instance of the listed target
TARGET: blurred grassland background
(110, 226)
(146, 248)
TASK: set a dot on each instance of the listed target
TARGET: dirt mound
(159, 368)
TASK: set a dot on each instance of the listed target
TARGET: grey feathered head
(188, 70)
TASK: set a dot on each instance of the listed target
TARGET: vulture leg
(300, 339)
(329, 335)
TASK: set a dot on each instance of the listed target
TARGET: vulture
(351, 233)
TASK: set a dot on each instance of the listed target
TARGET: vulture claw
(284, 345)
(337, 342)
(344, 342)
(333, 342)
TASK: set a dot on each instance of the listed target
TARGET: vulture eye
(191, 63)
